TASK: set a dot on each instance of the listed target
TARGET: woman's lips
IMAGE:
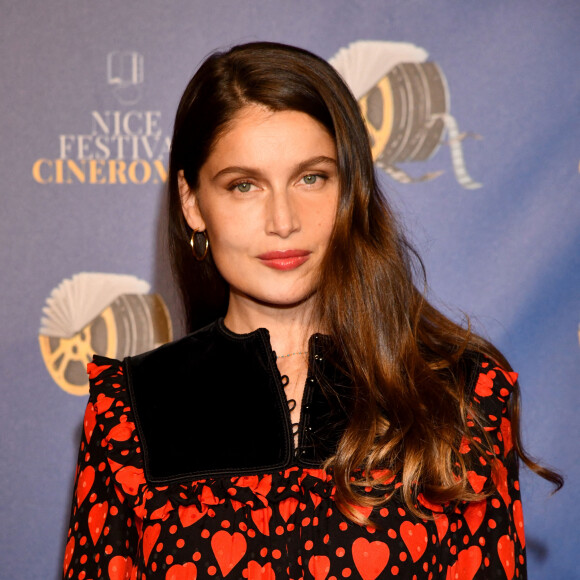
(285, 259)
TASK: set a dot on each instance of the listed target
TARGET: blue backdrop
(86, 103)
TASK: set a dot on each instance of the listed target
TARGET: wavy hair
(410, 406)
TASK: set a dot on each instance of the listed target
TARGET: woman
(322, 420)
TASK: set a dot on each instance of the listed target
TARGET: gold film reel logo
(129, 325)
(404, 100)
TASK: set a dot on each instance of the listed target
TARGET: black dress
(188, 469)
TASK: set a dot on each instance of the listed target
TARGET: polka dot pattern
(284, 524)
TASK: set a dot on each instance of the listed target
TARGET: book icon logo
(125, 75)
(94, 313)
(404, 100)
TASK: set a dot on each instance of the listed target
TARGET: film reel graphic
(129, 325)
(404, 100)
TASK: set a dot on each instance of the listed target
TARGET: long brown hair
(410, 409)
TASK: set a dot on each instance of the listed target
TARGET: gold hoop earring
(193, 244)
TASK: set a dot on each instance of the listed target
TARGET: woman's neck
(289, 326)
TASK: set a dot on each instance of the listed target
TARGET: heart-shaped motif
(467, 565)
(84, 483)
(506, 434)
(89, 421)
(228, 549)
(129, 478)
(95, 370)
(519, 522)
(120, 568)
(287, 507)
(485, 384)
(189, 515)
(97, 517)
(186, 571)
(103, 404)
(500, 476)
(319, 567)
(261, 518)
(442, 523)
(68, 553)
(149, 540)
(316, 499)
(365, 511)
(370, 558)
(476, 481)
(474, 515)
(257, 572)
(122, 431)
(507, 556)
(415, 538)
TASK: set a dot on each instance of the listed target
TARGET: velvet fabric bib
(213, 404)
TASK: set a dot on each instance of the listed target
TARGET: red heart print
(506, 434)
(97, 517)
(316, 499)
(90, 421)
(287, 507)
(415, 538)
(95, 370)
(319, 567)
(68, 553)
(84, 483)
(130, 478)
(476, 481)
(255, 571)
(484, 384)
(120, 568)
(370, 558)
(499, 475)
(149, 540)
(442, 524)
(467, 565)
(103, 404)
(228, 549)
(507, 556)
(189, 515)
(122, 431)
(186, 571)
(474, 515)
(365, 511)
(519, 522)
(261, 518)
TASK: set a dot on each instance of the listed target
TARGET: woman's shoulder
(489, 385)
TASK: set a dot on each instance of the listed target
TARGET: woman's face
(267, 198)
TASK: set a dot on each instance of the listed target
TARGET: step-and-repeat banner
(473, 113)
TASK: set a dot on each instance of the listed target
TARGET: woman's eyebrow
(302, 166)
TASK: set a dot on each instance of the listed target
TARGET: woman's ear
(189, 204)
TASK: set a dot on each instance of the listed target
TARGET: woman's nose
(282, 219)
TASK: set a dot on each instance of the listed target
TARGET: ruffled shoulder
(491, 450)
(111, 421)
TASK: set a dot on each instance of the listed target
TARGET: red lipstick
(285, 259)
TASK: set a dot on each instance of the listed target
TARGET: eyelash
(322, 176)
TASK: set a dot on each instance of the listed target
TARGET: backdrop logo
(405, 102)
(121, 146)
(125, 75)
(92, 313)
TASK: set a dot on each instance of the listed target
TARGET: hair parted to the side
(409, 387)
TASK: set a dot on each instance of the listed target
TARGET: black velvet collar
(213, 404)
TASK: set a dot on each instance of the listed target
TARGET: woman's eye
(243, 187)
(311, 179)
